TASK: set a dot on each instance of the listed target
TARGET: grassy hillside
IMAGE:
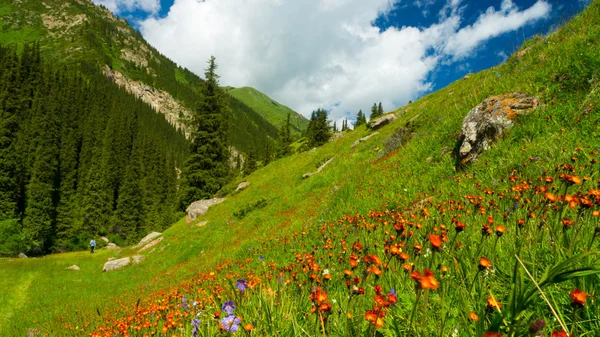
(318, 255)
(269, 109)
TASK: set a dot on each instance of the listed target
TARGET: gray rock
(138, 259)
(112, 246)
(104, 239)
(382, 121)
(147, 239)
(116, 264)
(151, 244)
(200, 207)
(355, 144)
(488, 120)
(201, 224)
(243, 185)
(22, 256)
(307, 175)
(73, 267)
(110, 259)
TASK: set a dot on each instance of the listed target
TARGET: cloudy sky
(342, 55)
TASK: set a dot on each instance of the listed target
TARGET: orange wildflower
(492, 303)
(436, 241)
(484, 263)
(500, 230)
(248, 327)
(579, 297)
(473, 317)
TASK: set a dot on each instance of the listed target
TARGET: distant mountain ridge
(75, 32)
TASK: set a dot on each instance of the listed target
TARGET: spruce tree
(207, 168)
(319, 131)
(285, 139)
(360, 119)
(251, 163)
(374, 112)
(129, 214)
(380, 110)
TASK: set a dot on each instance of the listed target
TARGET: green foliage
(285, 139)
(318, 131)
(242, 212)
(361, 119)
(208, 168)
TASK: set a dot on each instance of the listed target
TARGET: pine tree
(360, 119)
(285, 139)
(129, 214)
(374, 112)
(334, 128)
(319, 131)
(207, 168)
(251, 163)
(380, 110)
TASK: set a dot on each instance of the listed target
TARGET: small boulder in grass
(138, 259)
(112, 246)
(116, 264)
(22, 256)
(73, 267)
(486, 122)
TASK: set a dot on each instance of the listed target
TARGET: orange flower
(500, 230)
(248, 327)
(436, 241)
(561, 333)
(596, 213)
(493, 304)
(484, 263)
(473, 317)
(373, 269)
(492, 334)
(551, 197)
(579, 297)
(428, 281)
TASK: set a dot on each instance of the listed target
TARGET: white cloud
(320, 53)
(493, 23)
(119, 6)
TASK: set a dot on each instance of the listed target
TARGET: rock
(201, 224)
(151, 244)
(200, 207)
(110, 259)
(467, 76)
(382, 121)
(147, 239)
(22, 256)
(242, 185)
(73, 267)
(307, 175)
(112, 246)
(523, 52)
(488, 120)
(116, 264)
(138, 259)
(104, 239)
(355, 144)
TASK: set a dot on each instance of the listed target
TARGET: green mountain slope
(272, 111)
(72, 32)
(322, 255)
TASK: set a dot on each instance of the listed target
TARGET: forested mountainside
(79, 156)
(72, 32)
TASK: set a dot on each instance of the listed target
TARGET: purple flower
(228, 307)
(261, 258)
(231, 323)
(184, 303)
(393, 292)
(241, 285)
(196, 325)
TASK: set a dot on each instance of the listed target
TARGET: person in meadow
(92, 246)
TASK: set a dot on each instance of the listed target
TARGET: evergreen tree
(380, 110)
(334, 129)
(251, 163)
(319, 131)
(129, 214)
(360, 119)
(207, 168)
(285, 139)
(374, 112)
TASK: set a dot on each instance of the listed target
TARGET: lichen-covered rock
(116, 264)
(382, 121)
(138, 259)
(488, 120)
(200, 207)
(151, 244)
(73, 267)
(147, 239)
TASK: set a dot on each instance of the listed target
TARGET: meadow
(393, 238)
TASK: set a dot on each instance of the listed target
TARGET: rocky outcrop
(147, 239)
(22, 256)
(138, 259)
(104, 239)
(382, 121)
(310, 174)
(355, 144)
(200, 207)
(116, 264)
(73, 267)
(151, 244)
(488, 120)
(242, 185)
(112, 246)
(160, 100)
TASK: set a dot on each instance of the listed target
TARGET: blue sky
(342, 55)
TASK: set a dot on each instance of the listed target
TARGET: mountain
(269, 109)
(397, 235)
(72, 32)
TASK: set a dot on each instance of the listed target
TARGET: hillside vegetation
(394, 237)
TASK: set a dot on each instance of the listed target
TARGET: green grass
(272, 111)
(300, 215)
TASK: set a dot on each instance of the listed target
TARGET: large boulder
(22, 256)
(138, 259)
(242, 185)
(112, 246)
(116, 264)
(151, 244)
(382, 121)
(355, 144)
(147, 239)
(104, 239)
(200, 207)
(488, 120)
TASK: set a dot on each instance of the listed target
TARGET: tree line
(79, 158)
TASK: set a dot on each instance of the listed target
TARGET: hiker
(92, 245)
